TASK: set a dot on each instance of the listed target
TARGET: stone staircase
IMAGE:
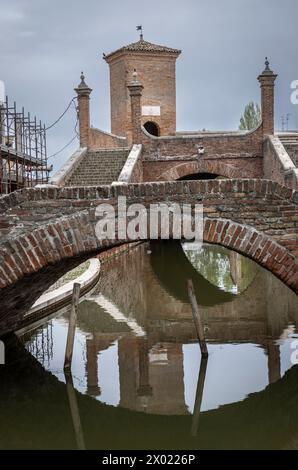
(290, 143)
(99, 167)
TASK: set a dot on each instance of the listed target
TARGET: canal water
(137, 376)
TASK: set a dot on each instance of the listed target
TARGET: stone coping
(128, 168)
(120, 137)
(48, 300)
(281, 153)
(68, 168)
(201, 135)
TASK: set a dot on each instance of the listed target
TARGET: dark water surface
(137, 376)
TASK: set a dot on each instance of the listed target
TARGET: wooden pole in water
(199, 396)
(72, 325)
(197, 318)
(74, 410)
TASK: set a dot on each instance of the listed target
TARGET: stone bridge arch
(43, 226)
(215, 167)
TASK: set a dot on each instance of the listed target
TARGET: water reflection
(136, 347)
(225, 269)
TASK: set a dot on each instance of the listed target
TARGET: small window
(152, 128)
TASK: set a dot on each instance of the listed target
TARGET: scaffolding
(23, 156)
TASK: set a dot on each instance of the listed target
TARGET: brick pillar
(135, 91)
(83, 92)
(267, 79)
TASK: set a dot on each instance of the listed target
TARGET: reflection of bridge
(259, 315)
(263, 420)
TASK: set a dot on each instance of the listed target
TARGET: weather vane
(140, 28)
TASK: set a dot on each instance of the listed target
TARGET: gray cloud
(45, 44)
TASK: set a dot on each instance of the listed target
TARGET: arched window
(152, 128)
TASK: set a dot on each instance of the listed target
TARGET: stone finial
(135, 79)
(82, 86)
(267, 70)
(135, 87)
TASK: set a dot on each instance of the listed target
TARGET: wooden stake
(74, 410)
(72, 325)
(199, 396)
(197, 318)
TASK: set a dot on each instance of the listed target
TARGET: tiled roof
(144, 46)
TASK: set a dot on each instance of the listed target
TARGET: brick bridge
(42, 226)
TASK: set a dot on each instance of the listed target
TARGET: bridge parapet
(239, 154)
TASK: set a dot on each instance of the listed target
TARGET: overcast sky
(46, 43)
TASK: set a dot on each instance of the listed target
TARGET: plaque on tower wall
(150, 110)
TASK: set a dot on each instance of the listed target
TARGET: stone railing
(278, 166)
(132, 172)
(65, 172)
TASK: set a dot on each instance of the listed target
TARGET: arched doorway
(152, 128)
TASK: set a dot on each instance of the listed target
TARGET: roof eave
(114, 55)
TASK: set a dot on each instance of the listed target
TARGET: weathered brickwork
(103, 140)
(135, 125)
(267, 79)
(83, 94)
(156, 68)
(229, 155)
(257, 218)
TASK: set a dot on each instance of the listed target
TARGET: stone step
(99, 167)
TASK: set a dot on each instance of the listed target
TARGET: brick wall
(104, 140)
(230, 155)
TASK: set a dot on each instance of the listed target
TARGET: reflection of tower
(151, 380)
(144, 390)
(144, 386)
(128, 358)
(92, 367)
(167, 379)
(135, 389)
(273, 353)
(99, 342)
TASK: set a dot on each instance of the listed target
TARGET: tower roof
(142, 46)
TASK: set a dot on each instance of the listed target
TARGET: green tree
(251, 117)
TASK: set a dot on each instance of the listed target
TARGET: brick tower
(156, 69)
